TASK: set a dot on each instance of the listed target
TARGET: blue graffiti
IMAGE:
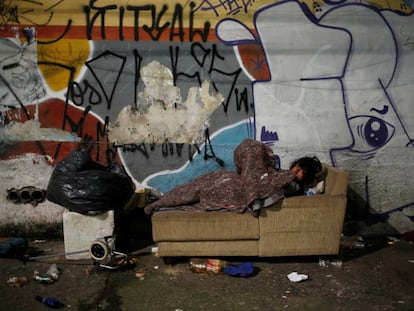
(224, 145)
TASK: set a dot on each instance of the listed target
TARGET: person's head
(305, 169)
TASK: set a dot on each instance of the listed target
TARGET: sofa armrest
(336, 181)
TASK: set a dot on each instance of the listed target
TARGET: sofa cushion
(203, 226)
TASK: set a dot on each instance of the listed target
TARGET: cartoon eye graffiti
(370, 132)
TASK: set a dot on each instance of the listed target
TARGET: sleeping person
(255, 184)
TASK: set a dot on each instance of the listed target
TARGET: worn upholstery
(301, 225)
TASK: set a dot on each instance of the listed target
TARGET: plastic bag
(87, 187)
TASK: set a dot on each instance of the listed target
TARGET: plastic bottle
(213, 266)
(197, 265)
(50, 302)
(42, 278)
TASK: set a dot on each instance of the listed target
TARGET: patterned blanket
(255, 184)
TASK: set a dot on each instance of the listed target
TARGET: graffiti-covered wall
(168, 89)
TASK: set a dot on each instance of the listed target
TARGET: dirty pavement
(369, 273)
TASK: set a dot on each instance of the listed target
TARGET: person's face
(298, 172)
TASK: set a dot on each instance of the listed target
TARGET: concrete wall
(169, 89)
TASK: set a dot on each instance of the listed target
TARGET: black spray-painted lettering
(95, 17)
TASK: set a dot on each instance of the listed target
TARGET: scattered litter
(53, 271)
(49, 277)
(39, 241)
(330, 263)
(359, 245)
(353, 242)
(154, 249)
(206, 266)
(392, 238)
(242, 270)
(128, 262)
(156, 267)
(140, 275)
(309, 192)
(17, 281)
(215, 266)
(264, 176)
(297, 277)
(218, 266)
(51, 302)
(43, 278)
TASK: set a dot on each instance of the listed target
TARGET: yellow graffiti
(392, 5)
(56, 60)
(60, 12)
(182, 20)
(316, 6)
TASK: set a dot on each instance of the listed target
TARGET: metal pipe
(58, 255)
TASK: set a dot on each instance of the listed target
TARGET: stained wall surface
(168, 89)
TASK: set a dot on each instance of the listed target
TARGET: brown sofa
(301, 225)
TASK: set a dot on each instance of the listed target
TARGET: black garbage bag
(87, 187)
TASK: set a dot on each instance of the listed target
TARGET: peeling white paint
(28, 170)
(31, 131)
(161, 115)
